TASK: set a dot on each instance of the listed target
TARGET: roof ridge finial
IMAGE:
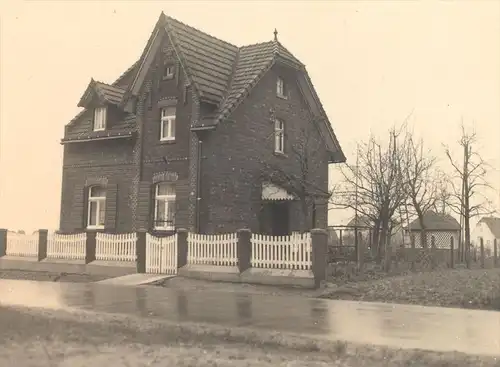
(275, 34)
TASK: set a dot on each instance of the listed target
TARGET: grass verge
(29, 337)
(475, 289)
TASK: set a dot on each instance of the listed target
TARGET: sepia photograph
(296, 183)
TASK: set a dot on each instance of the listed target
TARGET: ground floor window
(96, 207)
(164, 218)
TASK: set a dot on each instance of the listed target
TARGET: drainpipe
(198, 186)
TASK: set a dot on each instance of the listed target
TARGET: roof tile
(110, 93)
(436, 221)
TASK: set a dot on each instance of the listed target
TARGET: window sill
(281, 96)
(167, 141)
(97, 130)
(168, 77)
(95, 228)
(280, 154)
(167, 229)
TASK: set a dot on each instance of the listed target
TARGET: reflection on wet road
(402, 326)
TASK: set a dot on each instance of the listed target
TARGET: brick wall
(231, 170)
(119, 161)
(176, 153)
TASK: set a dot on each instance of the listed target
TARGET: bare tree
(443, 194)
(421, 185)
(376, 186)
(468, 185)
(300, 175)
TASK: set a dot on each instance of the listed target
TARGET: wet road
(405, 326)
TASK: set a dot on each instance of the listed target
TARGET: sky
(372, 63)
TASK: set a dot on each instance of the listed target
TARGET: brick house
(179, 140)
(487, 228)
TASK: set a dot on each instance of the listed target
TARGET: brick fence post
(244, 250)
(42, 243)
(495, 252)
(140, 251)
(319, 243)
(182, 247)
(3, 242)
(90, 247)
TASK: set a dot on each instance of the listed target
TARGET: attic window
(280, 88)
(100, 119)
(168, 71)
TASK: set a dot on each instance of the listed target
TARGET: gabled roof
(220, 71)
(223, 74)
(118, 82)
(252, 63)
(493, 224)
(362, 221)
(209, 61)
(436, 222)
(105, 92)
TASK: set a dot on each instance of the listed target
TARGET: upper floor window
(280, 87)
(279, 136)
(96, 207)
(167, 123)
(164, 218)
(168, 71)
(100, 118)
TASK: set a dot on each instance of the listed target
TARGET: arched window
(164, 206)
(96, 207)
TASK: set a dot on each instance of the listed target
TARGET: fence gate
(161, 254)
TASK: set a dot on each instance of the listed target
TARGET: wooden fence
(71, 246)
(212, 249)
(282, 252)
(164, 255)
(416, 252)
(116, 247)
(161, 254)
(22, 244)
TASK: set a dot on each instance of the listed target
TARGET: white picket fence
(282, 252)
(161, 254)
(212, 249)
(116, 247)
(69, 246)
(22, 244)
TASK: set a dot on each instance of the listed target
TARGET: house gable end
(316, 108)
(482, 230)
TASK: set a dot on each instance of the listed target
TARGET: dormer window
(168, 71)
(280, 88)
(100, 119)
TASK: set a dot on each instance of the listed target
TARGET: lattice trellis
(441, 239)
